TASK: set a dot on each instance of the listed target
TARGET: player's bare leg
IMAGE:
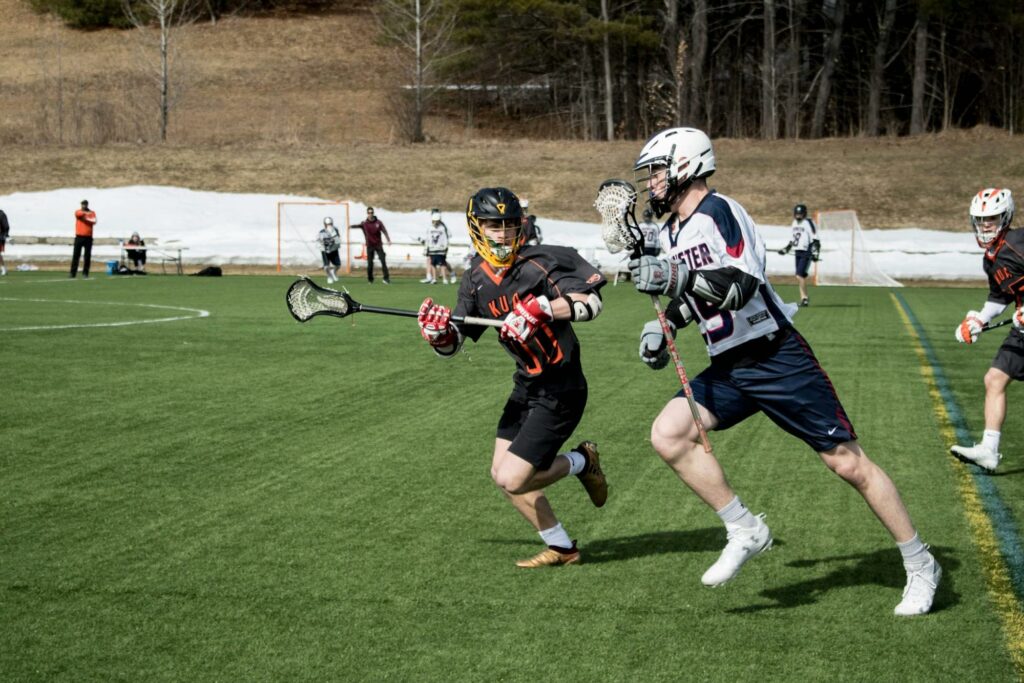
(676, 439)
(533, 505)
(802, 282)
(986, 454)
(850, 462)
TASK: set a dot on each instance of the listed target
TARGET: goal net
(845, 258)
(299, 223)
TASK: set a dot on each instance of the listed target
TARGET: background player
(991, 215)
(540, 292)
(713, 270)
(330, 242)
(651, 232)
(437, 251)
(805, 235)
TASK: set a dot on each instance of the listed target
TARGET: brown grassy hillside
(298, 104)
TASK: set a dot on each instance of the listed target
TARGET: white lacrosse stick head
(615, 202)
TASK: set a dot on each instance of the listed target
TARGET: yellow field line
(997, 575)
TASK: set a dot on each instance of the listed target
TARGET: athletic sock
(990, 439)
(556, 537)
(915, 553)
(577, 461)
(737, 514)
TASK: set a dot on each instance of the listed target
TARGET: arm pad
(989, 311)
(580, 311)
(728, 288)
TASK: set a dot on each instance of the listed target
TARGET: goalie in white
(330, 242)
(713, 269)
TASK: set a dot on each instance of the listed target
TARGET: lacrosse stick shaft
(467, 320)
(681, 371)
(992, 326)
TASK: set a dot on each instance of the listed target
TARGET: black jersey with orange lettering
(549, 360)
(1004, 266)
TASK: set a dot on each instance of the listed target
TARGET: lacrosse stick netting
(306, 300)
(615, 202)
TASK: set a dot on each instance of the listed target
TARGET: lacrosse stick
(615, 202)
(306, 300)
(992, 326)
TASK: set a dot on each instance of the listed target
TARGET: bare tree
(836, 11)
(157, 22)
(917, 118)
(422, 30)
(876, 81)
(769, 126)
(698, 55)
(793, 69)
(606, 56)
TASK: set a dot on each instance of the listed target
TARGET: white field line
(196, 313)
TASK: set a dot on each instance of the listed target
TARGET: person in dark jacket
(372, 230)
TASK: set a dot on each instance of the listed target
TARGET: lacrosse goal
(298, 224)
(845, 257)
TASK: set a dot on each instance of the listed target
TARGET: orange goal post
(299, 223)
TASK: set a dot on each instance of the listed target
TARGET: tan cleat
(551, 557)
(592, 477)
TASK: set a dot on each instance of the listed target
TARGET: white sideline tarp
(223, 229)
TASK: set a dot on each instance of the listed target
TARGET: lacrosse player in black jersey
(991, 215)
(539, 291)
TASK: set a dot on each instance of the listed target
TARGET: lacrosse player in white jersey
(330, 242)
(651, 232)
(805, 235)
(713, 269)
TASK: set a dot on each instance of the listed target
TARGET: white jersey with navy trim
(650, 232)
(720, 233)
(803, 232)
(329, 238)
(437, 238)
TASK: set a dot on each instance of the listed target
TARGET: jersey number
(540, 351)
(717, 323)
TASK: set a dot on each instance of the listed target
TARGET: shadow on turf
(882, 568)
(658, 543)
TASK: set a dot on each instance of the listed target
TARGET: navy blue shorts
(331, 258)
(538, 426)
(787, 384)
(803, 263)
(437, 259)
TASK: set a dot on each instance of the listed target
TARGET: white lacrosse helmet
(435, 216)
(991, 214)
(328, 221)
(687, 155)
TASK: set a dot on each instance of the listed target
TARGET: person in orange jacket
(84, 222)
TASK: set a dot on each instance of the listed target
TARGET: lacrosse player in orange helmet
(539, 291)
(991, 215)
(712, 268)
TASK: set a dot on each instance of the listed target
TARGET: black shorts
(331, 257)
(538, 426)
(1010, 356)
(803, 263)
(436, 259)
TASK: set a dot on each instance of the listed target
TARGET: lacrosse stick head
(615, 202)
(307, 299)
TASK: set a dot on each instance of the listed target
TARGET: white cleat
(919, 592)
(978, 454)
(425, 281)
(743, 544)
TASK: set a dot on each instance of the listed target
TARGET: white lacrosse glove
(529, 314)
(435, 324)
(653, 347)
(968, 330)
(1018, 318)
(652, 275)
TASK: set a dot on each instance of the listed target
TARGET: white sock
(577, 461)
(3, 270)
(990, 439)
(737, 514)
(557, 537)
(915, 553)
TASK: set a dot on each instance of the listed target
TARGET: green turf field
(239, 497)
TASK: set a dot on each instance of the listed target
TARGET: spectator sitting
(136, 257)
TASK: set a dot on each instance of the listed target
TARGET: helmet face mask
(328, 221)
(494, 218)
(669, 163)
(799, 212)
(991, 214)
